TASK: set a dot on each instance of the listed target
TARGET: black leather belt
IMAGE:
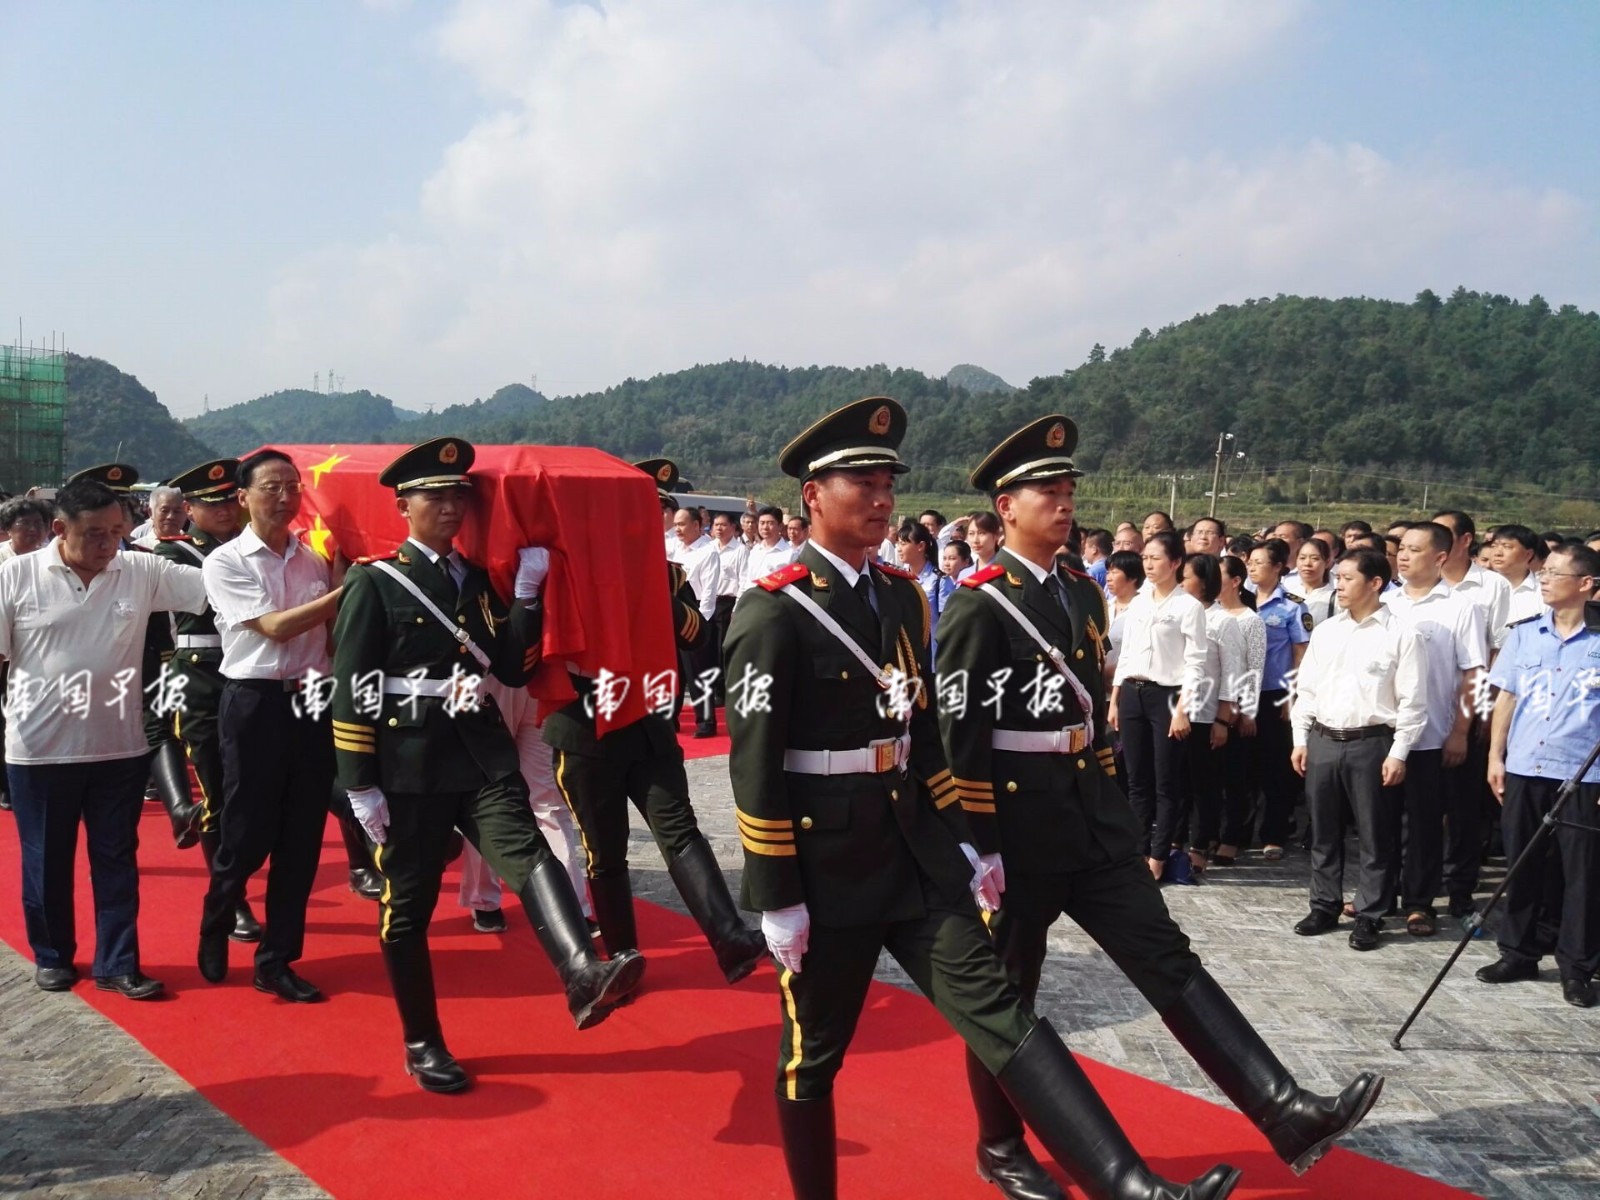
(1352, 735)
(1151, 683)
(269, 685)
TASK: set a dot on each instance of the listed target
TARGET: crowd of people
(1004, 713)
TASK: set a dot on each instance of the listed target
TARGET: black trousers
(949, 957)
(277, 771)
(1562, 887)
(719, 630)
(496, 819)
(702, 671)
(1155, 760)
(1280, 786)
(1240, 783)
(1202, 786)
(1422, 847)
(1466, 795)
(1348, 776)
(597, 789)
(196, 727)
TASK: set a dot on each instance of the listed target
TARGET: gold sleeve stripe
(939, 777)
(352, 727)
(976, 786)
(354, 747)
(766, 839)
(691, 626)
(350, 735)
(945, 800)
(760, 822)
(768, 849)
(974, 806)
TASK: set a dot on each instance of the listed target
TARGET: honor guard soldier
(854, 836)
(169, 776)
(642, 762)
(194, 675)
(422, 754)
(1034, 776)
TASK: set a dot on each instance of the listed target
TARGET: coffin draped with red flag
(605, 601)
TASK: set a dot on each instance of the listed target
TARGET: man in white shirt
(798, 530)
(1454, 648)
(1517, 553)
(770, 552)
(1360, 706)
(273, 599)
(1487, 590)
(167, 518)
(700, 558)
(732, 557)
(72, 624)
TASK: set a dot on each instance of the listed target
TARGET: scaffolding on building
(33, 409)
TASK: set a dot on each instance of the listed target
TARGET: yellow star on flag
(321, 539)
(320, 469)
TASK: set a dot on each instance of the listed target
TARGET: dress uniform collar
(846, 572)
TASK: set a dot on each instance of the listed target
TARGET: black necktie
(1059, 591)
(449, 575)
(865, 625)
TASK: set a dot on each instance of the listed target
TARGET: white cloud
(655, 184)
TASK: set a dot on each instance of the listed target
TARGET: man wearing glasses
(273, 600)
(1546, 719)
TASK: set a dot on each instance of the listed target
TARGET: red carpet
(671, 1097)
(694, 747)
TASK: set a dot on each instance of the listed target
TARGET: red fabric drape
(605, 601)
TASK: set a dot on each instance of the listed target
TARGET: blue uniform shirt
(1288, 625)
(1557, 686)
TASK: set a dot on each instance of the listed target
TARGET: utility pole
(1216, 474)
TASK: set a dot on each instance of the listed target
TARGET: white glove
(533, 565)
(788, 933)
(988, 878)
(372, 810)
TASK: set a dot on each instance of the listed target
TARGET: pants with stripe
(949, 957)
(196, 726)
(628, 768)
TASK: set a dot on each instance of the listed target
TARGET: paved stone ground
(1497, 1091)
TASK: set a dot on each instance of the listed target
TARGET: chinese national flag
(605, 602)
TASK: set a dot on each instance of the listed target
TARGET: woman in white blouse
(1124, 578)
(1162, 656)
(1212, 710)
(1316, 588)
(1240, 777)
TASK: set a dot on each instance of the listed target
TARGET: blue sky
(437, 199)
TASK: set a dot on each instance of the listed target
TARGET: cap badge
(216, 472)
(1057, 437)
(663, 472)
(114, 474)
(448, 453)
(880, 421)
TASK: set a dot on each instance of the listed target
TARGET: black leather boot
(593, 987)
(245, 926)
(1004, 1158)
(612, 899)
(1058, 1102)
(1299, 1124)
(170, 771)
(364, 878)
(808, 1147)
(739, 949)
(411, 980)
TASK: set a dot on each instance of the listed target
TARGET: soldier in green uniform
(1023, 716)
(642, 762)
(194, 675)
(421, 754)
(854, 835)
(169, 777)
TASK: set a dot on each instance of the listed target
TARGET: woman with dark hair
(917, 550)
(1124, 578)
(1213, 711)
(1316, 588)
(983, 535)
(1239, 773)
(1161, 661)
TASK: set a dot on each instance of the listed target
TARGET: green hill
(297, 415)
(111, 416)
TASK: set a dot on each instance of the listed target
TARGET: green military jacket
(571, 727)
(854, 848)
(1040, 811)
(412, 743)
(200, 667)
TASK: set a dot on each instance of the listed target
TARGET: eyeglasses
(1547, 573)
(278, 489)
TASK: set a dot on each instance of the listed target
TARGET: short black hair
(1277, 551)
(249, 464)
(1208, 570)
(84, 496)
(1222, 526)
(805, 521)
(935, 514)
(1156, 512)
(910, 531)
(1374, 564)
(1099, 538)
(18, 507)
(1241, 545)
(1440, 535)
(1171, 545)
(1460, 520)
(1301, 529)
(1520, 534)
(770, 510)
(1358, 525)
(1129, 563)
(963, 551)
(1585, 560)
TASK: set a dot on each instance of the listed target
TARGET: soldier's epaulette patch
(366, 559)
(784, 576)
(176, 537)
(889, 570)
(979, 578)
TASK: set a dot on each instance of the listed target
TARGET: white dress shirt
(731, 562)
(763, 560)
(1319, 602)
(700, 561)
(1355, 674)
(76, 687)
(1163, 641)
(1525, 602)
(1450, 628)
(245, 581)
(1491, 593)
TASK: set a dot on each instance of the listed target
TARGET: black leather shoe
(366, 883)
(1318, 920)
(286, 985)
(245, 926)
(1012, 1168)
(489, 921)
(1578, 993)
(135, 987)
(706, 731)
(432, 1066)
(1508, 970)
(1365, 935)
(55, 979)
(1309, 1124)
(213, 957)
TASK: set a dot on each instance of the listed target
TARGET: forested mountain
(976, 380)
(112, 417)
(307, 416)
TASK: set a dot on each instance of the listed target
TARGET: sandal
(1272, 853)
(1197, 861)
(1421, 924)
(1219, 859)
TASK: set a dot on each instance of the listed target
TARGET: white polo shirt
(76, 688)
(1449, 628)
(245, 581)
(702, 563)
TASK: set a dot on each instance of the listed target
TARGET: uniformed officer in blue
(854, 837)
(1546, 720)
(1035, 779)
(420, 753)
(1288, 630)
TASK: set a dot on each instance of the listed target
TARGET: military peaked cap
(119, 477)
(210, 481)
(1040, 450)
(867, 433)
(440, 463)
